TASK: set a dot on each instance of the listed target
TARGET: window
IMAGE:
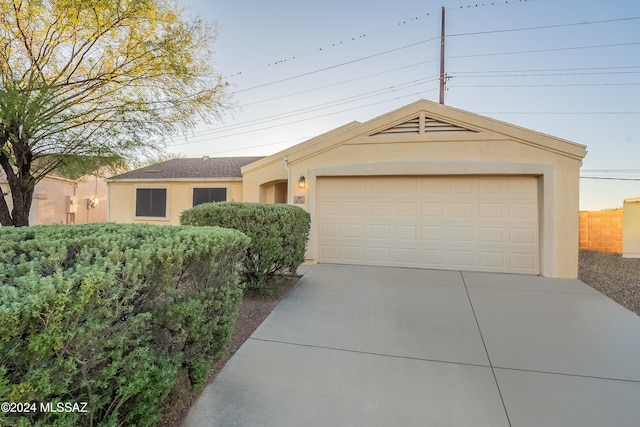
(206, 195)
(151, 202)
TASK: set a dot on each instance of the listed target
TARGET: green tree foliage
(86, 78)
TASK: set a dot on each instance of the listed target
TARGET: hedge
(108, 315)
(279, 235)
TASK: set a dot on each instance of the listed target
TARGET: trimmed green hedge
(108, 314)
(279, 235)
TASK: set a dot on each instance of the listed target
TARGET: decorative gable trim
(421, 125)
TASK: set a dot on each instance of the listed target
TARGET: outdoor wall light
(302, 182)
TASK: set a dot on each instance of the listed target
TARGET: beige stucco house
(158, 194)
(426, 186)
(59, 200)
(631, 228)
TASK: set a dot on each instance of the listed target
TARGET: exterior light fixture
(302, 182)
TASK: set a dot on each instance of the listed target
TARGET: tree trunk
(21, 187)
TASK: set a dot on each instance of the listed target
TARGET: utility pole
(442, 75)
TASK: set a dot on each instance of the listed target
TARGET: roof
(187, 168)
(632, 200)
(442, 122)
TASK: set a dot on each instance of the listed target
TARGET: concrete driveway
(377, 346)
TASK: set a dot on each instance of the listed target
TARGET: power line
(547, 69)
(608, 73)
(610, 179)
(281, 116)
(612, 170)
(563, 112)
(339, 83)
(312, 118)
(544, 27)
(304, 138)
(354, 38)
(337, 65)
(545, 50)
(478, 5)
(552, 85)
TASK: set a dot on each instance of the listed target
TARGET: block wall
(601, 231)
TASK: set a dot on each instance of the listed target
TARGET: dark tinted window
(206, 195)
(151, 202)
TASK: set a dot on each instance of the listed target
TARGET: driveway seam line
(395, 356)
(596, 293)
(493, 372)
(565, 374)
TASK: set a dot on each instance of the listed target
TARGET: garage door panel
(354, 254)
(328, 230)
(463, 258)
(406, 209)
(522, 236)
(379, 254)
(462, 210)
(380, 209)
(404, 256)
(523, 261)
(472, 223)
(493, 260)
(527, 211)
(462, 234)
(491, 210)
(491, 235)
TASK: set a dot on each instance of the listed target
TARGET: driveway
(377, 346)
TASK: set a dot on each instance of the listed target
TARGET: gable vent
(429, 125)
(411, 126)
(432, 125)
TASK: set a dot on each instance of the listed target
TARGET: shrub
(108, 314)
(278, 233)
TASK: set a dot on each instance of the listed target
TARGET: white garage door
(482, 223)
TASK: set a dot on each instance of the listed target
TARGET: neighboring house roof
(189, 168)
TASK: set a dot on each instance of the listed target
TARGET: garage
(435, 187)
(480, 223)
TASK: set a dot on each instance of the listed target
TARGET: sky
(297, 69)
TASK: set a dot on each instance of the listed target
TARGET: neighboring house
(159, 193)
(631, 228)
(59, 200)
(426, 186)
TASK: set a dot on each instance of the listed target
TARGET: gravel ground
(614, 276)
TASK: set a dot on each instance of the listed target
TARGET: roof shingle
(202, 167)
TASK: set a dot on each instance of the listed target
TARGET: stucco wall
(50, 201)
(491, 148)
(122, 198)
(631, 229)
(91, 187)
(559, 180)
(601, 231)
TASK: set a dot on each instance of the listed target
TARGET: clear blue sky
(297, 69)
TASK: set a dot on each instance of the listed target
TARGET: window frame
(151, 217)
(207, 187)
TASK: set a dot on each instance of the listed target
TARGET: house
(158, 193)
(631, 228)
(60, 200)
(427, 186)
